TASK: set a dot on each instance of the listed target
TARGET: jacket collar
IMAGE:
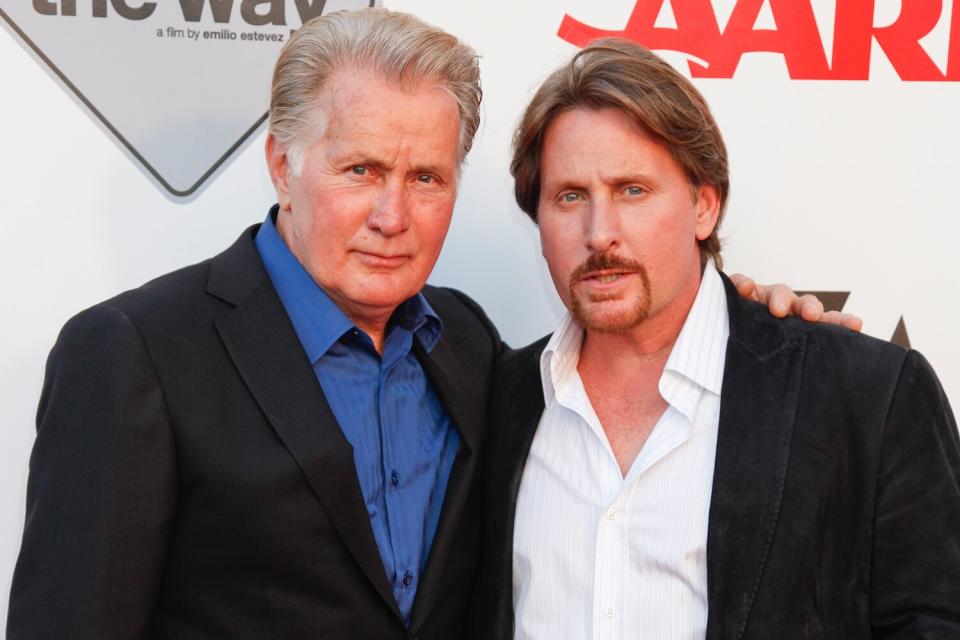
(758, 407)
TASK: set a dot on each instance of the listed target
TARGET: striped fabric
(599, 555)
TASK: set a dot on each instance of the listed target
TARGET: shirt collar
(560, 357)
(699, 351)
(317, 320)
(695, 363)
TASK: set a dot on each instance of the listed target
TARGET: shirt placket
(405, 566)
(610, 559)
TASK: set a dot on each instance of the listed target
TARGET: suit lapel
(266, 351)
(463, 399)
(758, 407)
(465, 403)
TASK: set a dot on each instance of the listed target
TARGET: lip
(596, 275)
(607, 272)
(382, 261)
(593, 280)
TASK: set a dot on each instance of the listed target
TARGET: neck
(372, 320)
(621, 375)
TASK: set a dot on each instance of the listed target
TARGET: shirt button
(407, 578)
(611, 514)
(608, 612)
(395, 479)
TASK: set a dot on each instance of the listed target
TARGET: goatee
(584, 307)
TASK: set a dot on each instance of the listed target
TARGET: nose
(602, 232)
(390, 215)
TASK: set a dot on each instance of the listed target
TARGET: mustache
(603, 262)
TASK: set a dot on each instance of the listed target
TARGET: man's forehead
(371, 120)
(604, 141)
(351, 82)
(360, 91)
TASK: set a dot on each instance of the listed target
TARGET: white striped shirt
(603, 556)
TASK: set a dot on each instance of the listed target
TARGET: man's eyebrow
(564, 182)
(363, 157)
(359, 157)
(431, 168)
(633, 176)
(560, 184)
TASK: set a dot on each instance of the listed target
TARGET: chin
(623, 318)
(386, 296)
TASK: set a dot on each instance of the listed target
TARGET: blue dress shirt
(404, 443)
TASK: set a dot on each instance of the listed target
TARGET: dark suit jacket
(835, 510)
(190, 481)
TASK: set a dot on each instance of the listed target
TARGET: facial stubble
(583, 306)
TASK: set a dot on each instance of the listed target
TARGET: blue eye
(359, 170)
(634, 190)
(570, 197)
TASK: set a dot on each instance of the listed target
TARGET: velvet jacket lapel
(758, 407)
(261, 341)
(515, 408)
(521, 416)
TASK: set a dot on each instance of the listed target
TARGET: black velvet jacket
(835, 510)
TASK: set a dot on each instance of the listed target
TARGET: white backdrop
(845, 186)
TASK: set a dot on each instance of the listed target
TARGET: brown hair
(401, 48)
(623, 75)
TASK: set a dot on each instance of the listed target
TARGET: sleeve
(915, 584)
(101, 489)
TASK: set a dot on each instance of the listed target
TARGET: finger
(809, 308)
(746, 287)
(847, 320)
(851, 321)
(779, 298)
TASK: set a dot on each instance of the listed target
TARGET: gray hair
(399, 47)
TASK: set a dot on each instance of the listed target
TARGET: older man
(282, 441)
(672, 462)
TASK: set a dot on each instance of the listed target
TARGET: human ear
(278, 164)
(708, 210)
